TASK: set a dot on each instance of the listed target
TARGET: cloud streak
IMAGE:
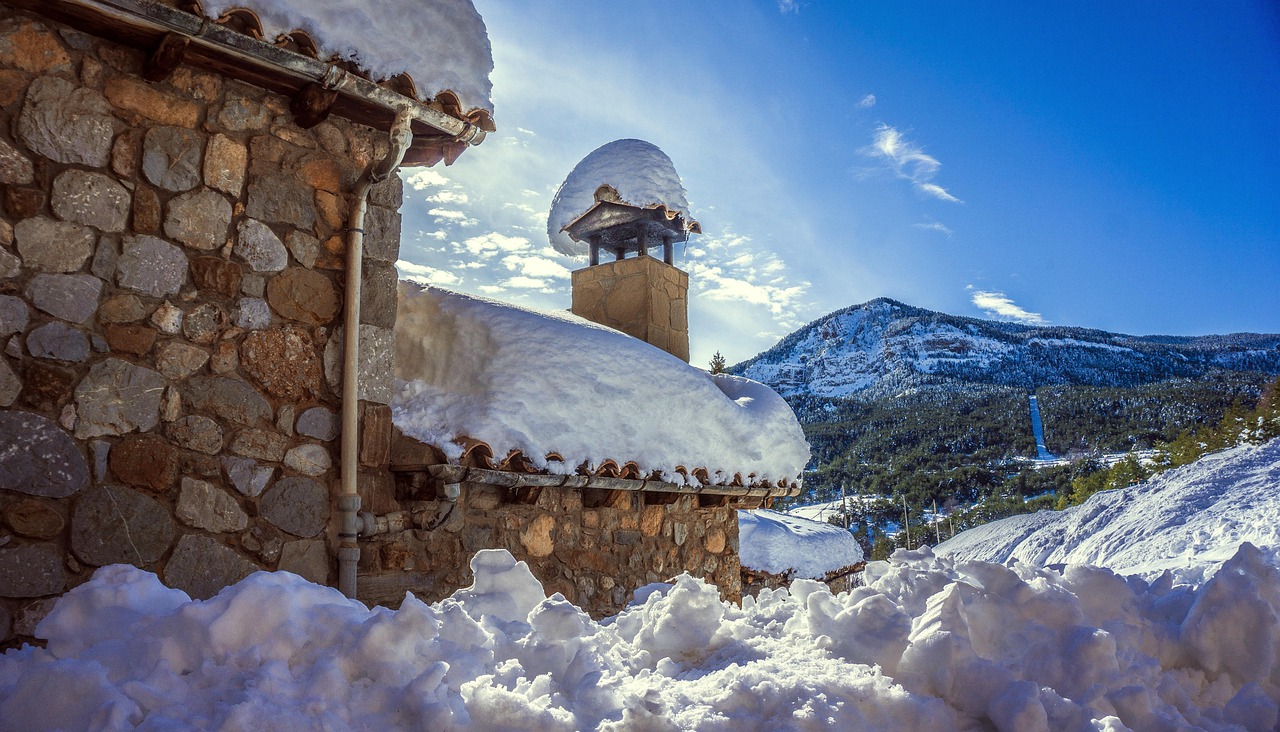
(934, 226)
(1002, 307)
(908, 161)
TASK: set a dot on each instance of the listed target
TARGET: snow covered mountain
(884, 348)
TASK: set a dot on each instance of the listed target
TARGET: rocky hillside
(884, 348)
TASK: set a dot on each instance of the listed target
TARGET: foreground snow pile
(551, 382)
(639, 171)
(1188, 521)
(442, 44)
(777, 543)
(929, 644)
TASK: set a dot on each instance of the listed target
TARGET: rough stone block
(15, 168)
(259, 246)
(199, 219)
(92, 199)
(205, 506)
(145, 461)
(246, 475)
(171, 158)
(297, 505)
(260, 444)
(304, 295)
(58, 341)
(283, 362)
(282, 199)
(204, 324)
(31, 571)
(306, 558)
(33, 518)
(178, 360)
(225, 161)
(196, 432)
(375, 435)
(151, 266)
(201, 567)
(115, 525)
(310, 459)
(132, 339)
(319, 423)
(135, 95)
(217, 275)
(118, 397)
(71, 297)
(53, 246)
(67, 123)
(253, 313)
(38, 458)
(377, 357)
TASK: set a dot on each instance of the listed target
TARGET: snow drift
(778, 543)
(929, 644)
(639, 171)
(1186, 521)
(553, 382)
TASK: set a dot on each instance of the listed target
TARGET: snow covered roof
(442, 45)
(778, 543)
(638, 172)
(1188, 521)
(566, 394)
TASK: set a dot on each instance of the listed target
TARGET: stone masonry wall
(594, 547)
(170, 298)
(643, 297)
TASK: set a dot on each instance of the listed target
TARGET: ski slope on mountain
(1186, 521)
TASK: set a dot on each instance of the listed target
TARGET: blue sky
(1105, 165)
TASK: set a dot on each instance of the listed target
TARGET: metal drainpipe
(349, 498)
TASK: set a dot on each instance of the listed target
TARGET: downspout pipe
(349, 497)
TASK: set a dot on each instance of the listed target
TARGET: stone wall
(170, 294)
(595, 547)
(643, 297)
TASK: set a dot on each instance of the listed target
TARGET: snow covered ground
(929, 644)
(1187, 521)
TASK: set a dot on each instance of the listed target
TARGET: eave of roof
(441, 130)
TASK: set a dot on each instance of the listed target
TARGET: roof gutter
(156, 18)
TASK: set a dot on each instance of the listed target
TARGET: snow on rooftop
(442, 44)
(639, 171)
(928, 644)
(778, 543)
(536, 382)
(1187, 520)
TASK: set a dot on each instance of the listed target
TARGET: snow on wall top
(1188, 520)
(553, 382)
(777, 543)
(639, 171)
(442, 44)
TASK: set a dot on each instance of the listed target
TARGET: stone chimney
(642, 296)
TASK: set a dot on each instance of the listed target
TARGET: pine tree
(717, 363)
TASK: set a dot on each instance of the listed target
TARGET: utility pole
(844, 507)
(906, 525)
(937, 530)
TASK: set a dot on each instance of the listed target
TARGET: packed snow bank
(553, 382)
(442, 44)
(928, 644)
(1187, 521)
(639, 171)
(777, 543)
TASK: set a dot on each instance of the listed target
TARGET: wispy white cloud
(487, 245)
(732, 268)
(868, 101)
(535, 266)
(934, 226)
(450, 216)
(1002, 307)
(423, 273)
(789, 6)
(449, 196)
(908, 161)
(425, 178)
